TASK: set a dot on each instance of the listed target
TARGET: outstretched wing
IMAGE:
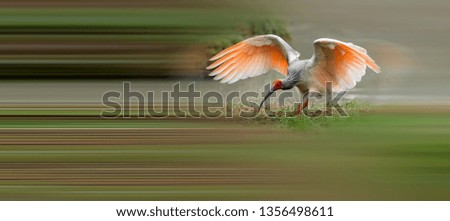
(339, 62)
(252, 57)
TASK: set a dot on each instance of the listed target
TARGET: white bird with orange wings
(341, 63)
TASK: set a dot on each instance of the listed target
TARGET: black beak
(267, 96)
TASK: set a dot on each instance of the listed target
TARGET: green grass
(285, 117)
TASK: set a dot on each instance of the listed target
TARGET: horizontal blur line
(153, 56)
(86, 49)
(96, 32)
(82, 46)
(147, 30)
(49, 4)
(86, 61)
(140, 129)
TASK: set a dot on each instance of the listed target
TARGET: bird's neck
(295, 72)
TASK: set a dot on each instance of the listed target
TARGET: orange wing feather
(249, 58)
(341, 63)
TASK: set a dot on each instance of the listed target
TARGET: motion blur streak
(85, 158)
(134, 39)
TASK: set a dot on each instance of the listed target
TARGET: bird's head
(276, 85)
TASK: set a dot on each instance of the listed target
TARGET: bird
(341, 63)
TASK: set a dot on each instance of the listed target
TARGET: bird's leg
(302, 106)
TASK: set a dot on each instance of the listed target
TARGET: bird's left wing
(338, 62)
(252, 57)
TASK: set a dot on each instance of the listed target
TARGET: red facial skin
(277, 84)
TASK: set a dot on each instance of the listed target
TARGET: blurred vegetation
(249, 29)
(121, 42)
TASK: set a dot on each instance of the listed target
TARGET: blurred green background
(57, 58)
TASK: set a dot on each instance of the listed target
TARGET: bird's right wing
(252, 57)
(341, 63)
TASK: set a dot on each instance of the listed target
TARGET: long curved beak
(267, 96)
